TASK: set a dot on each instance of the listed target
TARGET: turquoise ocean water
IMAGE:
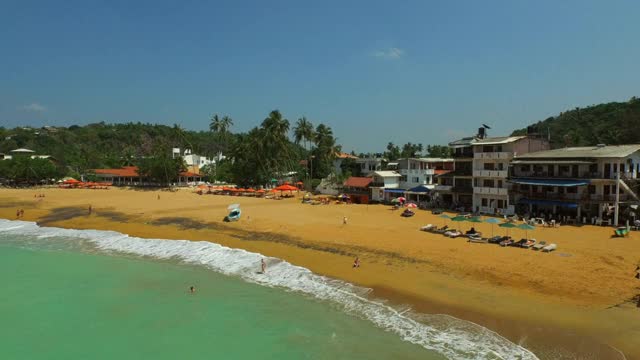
(71, 294)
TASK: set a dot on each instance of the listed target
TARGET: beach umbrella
(411, 205)
(395, 201)
(401, 199)
(492, 221)
(508, 226)
(459, 219)
(526, 228)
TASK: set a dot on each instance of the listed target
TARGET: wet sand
(575, 302)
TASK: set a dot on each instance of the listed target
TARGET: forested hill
(611, 123)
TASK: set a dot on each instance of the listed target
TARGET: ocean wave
(449, 336)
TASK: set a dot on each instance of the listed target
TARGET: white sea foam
(452, 337)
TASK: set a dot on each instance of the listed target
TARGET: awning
(395, 191)
(550, 182)
(549, 203)
(421, 189)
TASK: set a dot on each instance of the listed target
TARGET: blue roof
(419, 189)
(550, 182)
(400, 191)
(549, 203)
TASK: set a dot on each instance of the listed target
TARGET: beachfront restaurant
(357, 189)
(128, 176)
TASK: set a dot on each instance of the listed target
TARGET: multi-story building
(369, 165)
(385, 185)
(422, 171)
(195, 162)
(456, 188)
(491, 158)
(578, 182)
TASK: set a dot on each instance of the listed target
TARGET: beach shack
(357, 189)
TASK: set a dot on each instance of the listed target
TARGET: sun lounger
(506, 242)
(539, 245)
(497, 239)
(529, 243)
(477, 238)
(452, 233)
(549, 248)
(427, 227)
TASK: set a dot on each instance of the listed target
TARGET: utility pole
(617, 205)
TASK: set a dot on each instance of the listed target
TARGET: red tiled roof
(355, 181)
(127, 171)
(342, 155)
(132, 171)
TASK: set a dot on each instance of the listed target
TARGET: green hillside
(611, 123)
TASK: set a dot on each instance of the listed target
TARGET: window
(500, 166)
(415, 179)
(560, 190)
(525, 168)
(489, 166)
(572, 190)
(487, 148)
(403, 178)
(499, 184)
(606, 189)
(537, 168)
(501, 204)
(547, 189)
(484, 202)
(592, 189)
(524, 187)
(563, 169)
(487, 183)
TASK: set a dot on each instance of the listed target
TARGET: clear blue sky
(375, 71)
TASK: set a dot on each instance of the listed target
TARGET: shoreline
(400, 277)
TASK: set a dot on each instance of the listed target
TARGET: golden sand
(576, 300)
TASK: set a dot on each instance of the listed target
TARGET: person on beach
(263, 265)
(356, 263)
(21, 213)
(344, 220)
(158, 196)
(18, 214)
(90, 209)
(192, 289)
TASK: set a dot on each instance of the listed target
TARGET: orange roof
(189, 174)
(342, 155)
(127, 171)
(361, 182)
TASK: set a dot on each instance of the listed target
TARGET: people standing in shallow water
(263, 265)
(356, 263)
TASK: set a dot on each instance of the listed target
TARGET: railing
(493, 155)
(417, 172)
(376, 184)
(491, 173)
(462, 172)
(468, 154)
(490, 191)
(443, 187)
(462, 189)
(570, 197)
(561, 175)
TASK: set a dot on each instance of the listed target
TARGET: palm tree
(303, 131)
(220, 125)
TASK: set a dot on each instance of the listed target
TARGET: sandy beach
(577, 302)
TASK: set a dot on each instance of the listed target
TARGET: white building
(340, 158)
(578, 182)
(421, 171)
(195, 162)
(370, 165)
(491, 158)
(385, 185)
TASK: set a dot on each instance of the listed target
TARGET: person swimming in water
(192, 289)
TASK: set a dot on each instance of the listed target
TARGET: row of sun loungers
(500, 240)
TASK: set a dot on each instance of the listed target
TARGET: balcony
(490, 191)
(493, 155)
(571, 197)
(443, 187)
(464, 155)
(491, 173)
(462, 189)
(417, 172)
(560, 175)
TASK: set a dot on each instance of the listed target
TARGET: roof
(467, 141)
(22, 150)
(550, 182)
(419, 189)
(442, 172)
(342, 155)
(498, 140)
(436, 159)
(355, 181)
(132, 171)
(611, 151)
(369, 159)
(551, 161)
(549, 203)
(387, 174)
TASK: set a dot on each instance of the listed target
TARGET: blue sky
(375, 71)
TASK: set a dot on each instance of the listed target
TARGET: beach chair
(549, 248)
(539, 245)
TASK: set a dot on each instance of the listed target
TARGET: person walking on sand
(344, 220)
(158, 196)
(18, 214)
(263, 265)
(90, 209)
(21, 213)
(356, 263)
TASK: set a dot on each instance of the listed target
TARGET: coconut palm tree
(303, 131)
(220, 125)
